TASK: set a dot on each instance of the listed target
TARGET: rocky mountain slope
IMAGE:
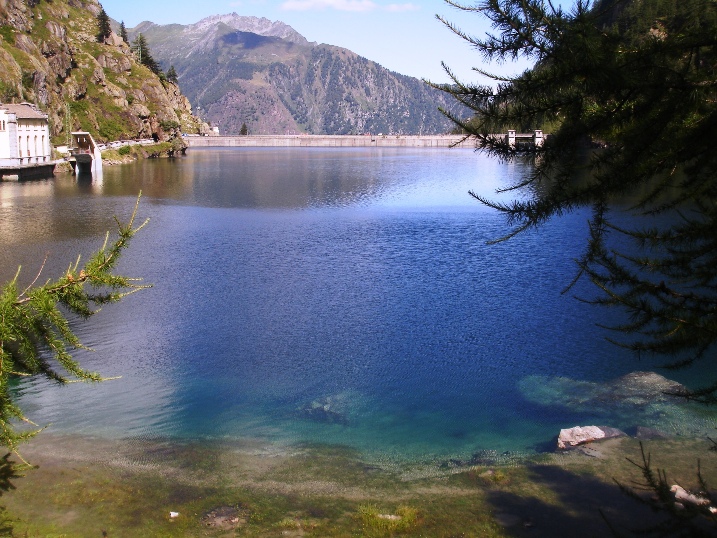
(49, 55)
(249, 70)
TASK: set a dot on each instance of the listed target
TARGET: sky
(401, 35)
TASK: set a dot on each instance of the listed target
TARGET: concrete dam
(330, 141)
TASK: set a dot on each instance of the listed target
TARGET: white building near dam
(25, 148)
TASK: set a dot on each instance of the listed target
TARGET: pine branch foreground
(627, 90)
(36, 336)
(686, 513)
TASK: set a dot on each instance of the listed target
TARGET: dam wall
(330, 141)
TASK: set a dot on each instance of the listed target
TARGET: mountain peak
(257, 25)
(255, 72)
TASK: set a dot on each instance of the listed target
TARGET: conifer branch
(632, 115)
(36, 336)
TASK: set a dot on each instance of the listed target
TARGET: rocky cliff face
(243, 70)
(49, 55)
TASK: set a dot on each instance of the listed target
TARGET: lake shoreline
(129, 487)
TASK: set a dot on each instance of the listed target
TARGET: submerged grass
(86, 487)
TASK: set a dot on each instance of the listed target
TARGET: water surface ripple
(310, 295)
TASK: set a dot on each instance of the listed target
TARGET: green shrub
(8, 92)
(28, 80)
(8, 34)
(110, 129)
(374, 521)
(79, 108)
(124, 150)
(169, 125)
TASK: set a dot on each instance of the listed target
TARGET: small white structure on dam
(536, 138)
(85, 156)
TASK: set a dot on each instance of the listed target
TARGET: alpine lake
(331, 347)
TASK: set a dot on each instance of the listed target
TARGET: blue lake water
(318, 296)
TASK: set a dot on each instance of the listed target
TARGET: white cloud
(396, 8)
(339, 5)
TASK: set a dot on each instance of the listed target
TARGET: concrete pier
(28, 171)
(330, 141)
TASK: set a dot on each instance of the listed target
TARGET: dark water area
(318, 296)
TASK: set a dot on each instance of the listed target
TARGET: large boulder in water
(580, 435)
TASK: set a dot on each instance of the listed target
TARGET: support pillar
(510, 138)
(538, 138)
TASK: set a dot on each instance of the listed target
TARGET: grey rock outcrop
(53, 60)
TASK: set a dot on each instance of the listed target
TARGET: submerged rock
(323, 413)
(633, 389)
(638, 398)
(329, 410)
(640, 388)
(579, 435)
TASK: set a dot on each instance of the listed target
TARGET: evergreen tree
(35, 333)
(143, 55)
(629, 91)
(172, 75)
(104, 30)
(123, 32)
(244, 130)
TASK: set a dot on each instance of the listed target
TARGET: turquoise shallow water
(320, 296)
